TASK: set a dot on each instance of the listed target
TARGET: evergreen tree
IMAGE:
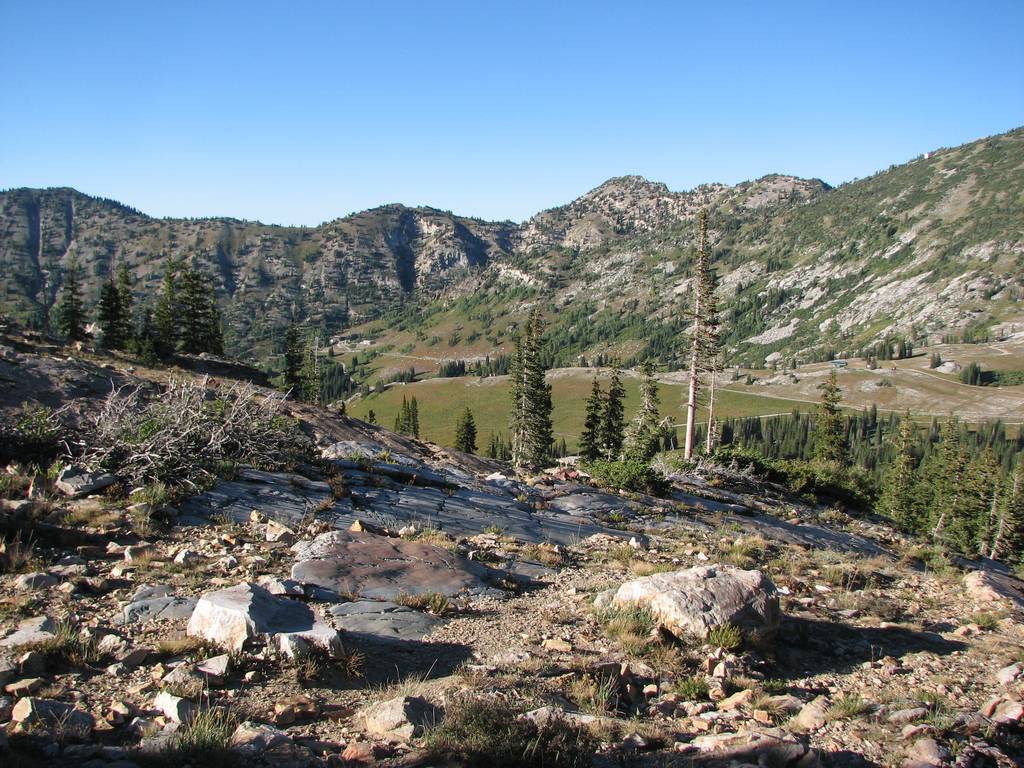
(829, 441)
(530, 419)
(70, 315)
(1008, 532)
(402, 418)
(614, 417)
(166, 318)
(311, 370)
(590, 438)
(465, 433)
(199, 317)
(643, 438)
(143, 342)
(414, 417)
(110, 321)
(127, 301)
(292, 373)
(898, 491)
(946, 480)
(371, 417)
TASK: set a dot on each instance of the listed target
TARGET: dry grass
(17, 555)
(431, 602)
(594, 696)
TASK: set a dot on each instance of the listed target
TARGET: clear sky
(299, 112)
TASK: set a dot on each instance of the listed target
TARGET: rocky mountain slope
(383, 601)
(925, 249)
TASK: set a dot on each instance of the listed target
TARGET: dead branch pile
(187, 431)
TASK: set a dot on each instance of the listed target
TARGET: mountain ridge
(623, 247)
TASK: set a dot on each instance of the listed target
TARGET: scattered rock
(694, 601)
(401, 718)
(38, 629)
(232, 616)
(175, 708)
(34, 582)
(255, 738)
(76, 482)
(55, 716)
(811, 717)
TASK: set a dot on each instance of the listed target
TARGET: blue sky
(300, 112)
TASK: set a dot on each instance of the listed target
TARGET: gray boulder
(401, 718)
(230, 617)
(692, 602)
(76, 482)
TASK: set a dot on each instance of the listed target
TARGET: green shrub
(627, 475)
(478, 731)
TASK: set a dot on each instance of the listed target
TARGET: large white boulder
(230, 617)
(692, 602)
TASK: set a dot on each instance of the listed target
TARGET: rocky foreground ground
(395, 603)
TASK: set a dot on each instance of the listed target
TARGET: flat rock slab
(382, 568)
(158, 608)
(76, 482)
(232, 616)
(283, 497)
(691, 602)
(383, 621)
(35, 630)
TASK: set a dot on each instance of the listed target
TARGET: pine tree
(127, 301)
(143, 343)
(947, 481)
(1008, 533)
(311, 372)
(70, 315)
(166, 318)
(414, 417)
(292, 373)
(614, 417)
(897, 499)
(530, 419)
(371, 417)
(199, 318)
(590, 438)
(465, 433)
(643, 438)
(402, 418)
(109, 317)
(829, 441)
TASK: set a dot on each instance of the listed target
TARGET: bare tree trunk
(710, 446)
(698, 331)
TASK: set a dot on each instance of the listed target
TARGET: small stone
(34, 582)
(558, 645)
(25, 687)
(255, 738)
(401, 718)
(928, 751)
(811, 717)
(136, 552)
(1007, 675)
(910, 715)
(737, 700)
(187, 557)
(278, 532)
(174, 708)
(1008, 712)
(72, 723)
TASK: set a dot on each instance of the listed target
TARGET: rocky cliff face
(921, 248)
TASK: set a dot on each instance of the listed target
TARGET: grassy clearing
(439, 399)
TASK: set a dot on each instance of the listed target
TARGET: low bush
(627, 475)
(186, 434)
(477, 731)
